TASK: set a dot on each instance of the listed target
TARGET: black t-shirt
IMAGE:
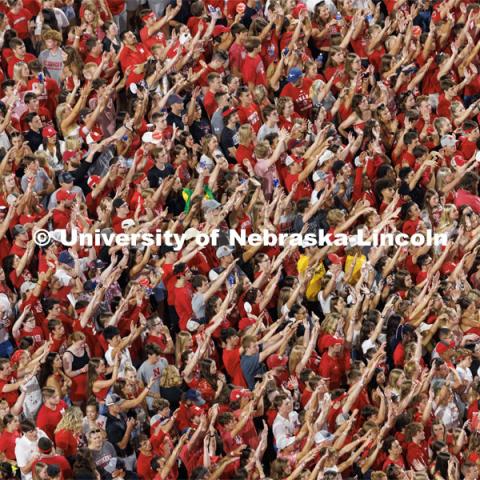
(154, 174)
(34, 140)
(116, 428)
(228, 139)
(173, 119)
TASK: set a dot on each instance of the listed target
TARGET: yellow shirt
(356, 269)
(313, 287)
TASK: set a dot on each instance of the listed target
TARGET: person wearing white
(26, 449)
(119, 346)
(286, 422)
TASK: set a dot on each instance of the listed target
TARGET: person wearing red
(298, 90)
(50, 412)
(394, 453)
(151, 32)
(253, 69)
(467, 194)
(248, 111)
(132, 57)
(19, 54)
(19, 19)
(183, 293)
(144, 459)
(296, 177)
(231, 356)
(50, 457)
(334, 363)
(8, 437)
(214, 86)
(61, 214)
(416, 445)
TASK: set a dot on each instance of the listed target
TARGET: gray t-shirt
(53, 63)
(106, 457)
(148, 371)
(217, 123)
(266, 130)
(41, 181)
(198, 305)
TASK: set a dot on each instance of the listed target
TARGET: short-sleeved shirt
(116, 428)
(251, 367)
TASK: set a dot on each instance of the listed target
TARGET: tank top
(79, 362)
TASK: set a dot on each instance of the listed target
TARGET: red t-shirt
(48, 419)
(183, 305)
(251, 115)
(157, 38)
(253, 71)
(300, 96)
(210, 103)
(19, 22)
(10, 397)
(67, 442)
(144, 468)
(7, 443)
(231, 360)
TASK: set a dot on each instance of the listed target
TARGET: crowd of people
(230, 361)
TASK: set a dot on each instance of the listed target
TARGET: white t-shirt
(24, 451)
(125, 360)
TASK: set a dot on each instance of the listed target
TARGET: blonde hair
(71, 420)
(295, 357)
(170, 377)
(76, 336)
(245, 133)
(183, 338)
(395, 374)
(17, 70)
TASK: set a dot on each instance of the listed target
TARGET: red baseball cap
(64, 195)
(297, 9)
(239, 393)
(68, 154)
(93, 180)
(48, 132)
(220, 30)
(330, 341)
(335, 259)
(276, 360)
(442, 348)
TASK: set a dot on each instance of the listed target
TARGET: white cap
(289, 160)
(192, 325)
(448, 141)
(26, 287)
(367, 345)
(148, 137)
(191, 233)
(128, 222)
(323, 436)
(325, 157)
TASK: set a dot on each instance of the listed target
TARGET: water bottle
(276, 182)
(369, 19)
(338, 16)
